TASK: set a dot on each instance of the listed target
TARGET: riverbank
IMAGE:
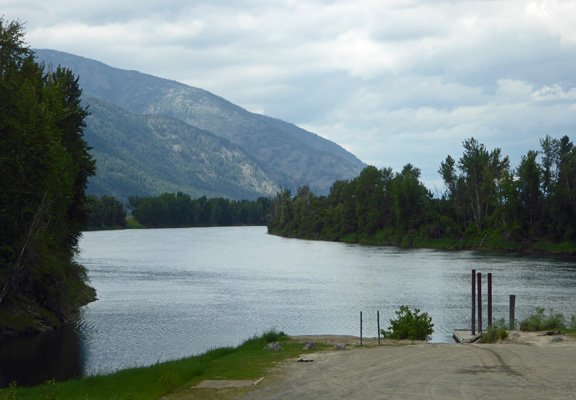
(483, 244)
(532, 365)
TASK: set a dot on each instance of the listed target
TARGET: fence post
(512, 311)
(360, 328)
(378, 319)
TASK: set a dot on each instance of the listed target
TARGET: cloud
(394, 82)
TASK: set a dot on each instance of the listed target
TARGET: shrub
(410, 325)
(542, 322)
(495, 332)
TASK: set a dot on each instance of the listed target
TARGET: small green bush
(495, 332)
(542, 322)
(273, 336)
(410, 325)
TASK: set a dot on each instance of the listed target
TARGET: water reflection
(34, 359)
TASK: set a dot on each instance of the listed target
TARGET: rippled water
(171, 293)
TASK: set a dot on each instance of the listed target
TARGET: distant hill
(151, 135)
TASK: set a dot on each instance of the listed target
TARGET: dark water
(171, 293)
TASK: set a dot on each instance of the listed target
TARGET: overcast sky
(391, 81)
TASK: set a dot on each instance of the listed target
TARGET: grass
(542, 322)
(132, 223)
(172, 378)
(495, 332)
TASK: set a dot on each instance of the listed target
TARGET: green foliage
(273, 336)
(247, 361)
(180, 210)
(44, 170)
(486, 205)
(495, 332)
(410, 325)
(107, 212)
(10, 393)
(542, 322)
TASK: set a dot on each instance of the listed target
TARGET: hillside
(283, 154)
(151, 154)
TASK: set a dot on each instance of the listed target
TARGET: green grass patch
(132, 223)
(556, 248)
(247, 361)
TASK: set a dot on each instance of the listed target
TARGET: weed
(542, 322)
(10, 393)
(495, 332)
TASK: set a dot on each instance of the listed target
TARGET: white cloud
(392, 81)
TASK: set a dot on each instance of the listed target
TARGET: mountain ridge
(285, 154)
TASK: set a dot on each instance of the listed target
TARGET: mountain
(192, 140)
(152, 154)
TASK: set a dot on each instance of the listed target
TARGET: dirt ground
(525, 366)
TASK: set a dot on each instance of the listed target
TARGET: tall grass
(495, 332)
(542, 322)
(247, 361)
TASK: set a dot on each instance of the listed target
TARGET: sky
(393, 82)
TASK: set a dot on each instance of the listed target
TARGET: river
(170, 293)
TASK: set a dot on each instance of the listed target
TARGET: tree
(559, 187)
(481, 172)
(106, 211)
(44, 168)
(410, 198)
(529, 183)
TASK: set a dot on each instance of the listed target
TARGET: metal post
(489, 299)
(473, 302)
(479, 302)
(378, 319)
(512, 310)
(360, 328)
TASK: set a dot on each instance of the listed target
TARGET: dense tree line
(484, 198)
(179, 210)
(106, 212)
(44, 168)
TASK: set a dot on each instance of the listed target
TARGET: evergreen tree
(44, 168)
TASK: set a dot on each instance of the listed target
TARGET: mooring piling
(480, 301)
(512, 311)
(489, 299)
(473, 302)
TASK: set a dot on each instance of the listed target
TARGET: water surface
(170, 293)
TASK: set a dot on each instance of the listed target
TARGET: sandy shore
(525, 366)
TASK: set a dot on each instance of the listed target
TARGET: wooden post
(473, 302)
(378, 319)
(489, 299)
(512, 310)
(479, 302)
(360, 328)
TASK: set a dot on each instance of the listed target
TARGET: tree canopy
(484, 199)
(44, 169)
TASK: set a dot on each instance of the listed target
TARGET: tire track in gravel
(428, 371)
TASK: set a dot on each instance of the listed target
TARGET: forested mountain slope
(289, 156)
(143, 154)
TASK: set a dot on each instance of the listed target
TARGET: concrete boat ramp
(465, 336)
